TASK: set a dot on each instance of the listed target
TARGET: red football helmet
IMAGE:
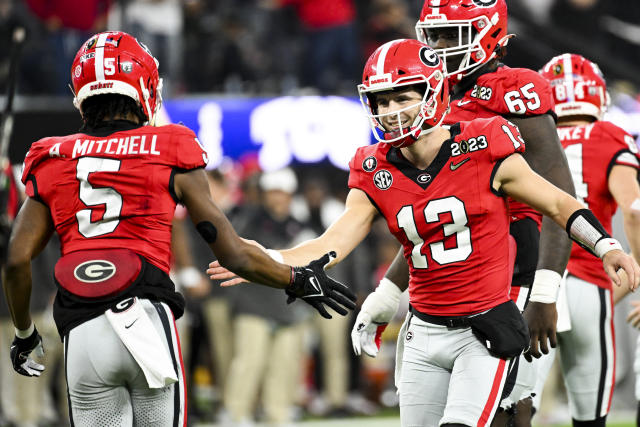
(401, 63)
(115, 62)
(578, 86)
(485, 22)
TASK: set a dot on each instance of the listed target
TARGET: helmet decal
(429, 57)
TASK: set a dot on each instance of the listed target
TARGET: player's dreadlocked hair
(102, 108)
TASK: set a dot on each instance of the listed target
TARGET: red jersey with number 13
(453, 226)
(592, 150)
(113, 191)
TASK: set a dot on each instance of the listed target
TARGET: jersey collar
(395, 157)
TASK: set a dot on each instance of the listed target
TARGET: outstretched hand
(311, 284)
(541, 320)
(218, 272)
(634, 315)
(616, 262)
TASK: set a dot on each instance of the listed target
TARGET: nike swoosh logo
(455, 166)
(314, 282)
(461, 103)
(130, 325)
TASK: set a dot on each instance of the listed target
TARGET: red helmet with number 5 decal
(481, 27)
(398, 64)
(578, 86)
(116, 62)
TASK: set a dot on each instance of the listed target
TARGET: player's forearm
(255, 265)
(551, 164)
(631, 223)
(17, 290)
(555, 247)
(306, 252)
(331, 240)
(398, 271)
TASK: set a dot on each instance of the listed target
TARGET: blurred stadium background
(268, 84)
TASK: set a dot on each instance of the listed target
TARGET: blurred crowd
(272, 47)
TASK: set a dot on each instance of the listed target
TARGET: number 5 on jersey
(90, 196)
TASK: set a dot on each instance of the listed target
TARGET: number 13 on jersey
(406, 218)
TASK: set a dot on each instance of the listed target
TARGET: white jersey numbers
(515, 102)
(516, 140)
(574, 158)
(90, 196)
(432, 213)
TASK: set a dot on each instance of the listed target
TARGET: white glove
(376, 312)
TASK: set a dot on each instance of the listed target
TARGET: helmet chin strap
(145, 96)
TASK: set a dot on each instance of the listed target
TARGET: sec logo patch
(383, 179)
(369, 164)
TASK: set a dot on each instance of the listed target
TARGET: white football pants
(447, 376)
(107, 386)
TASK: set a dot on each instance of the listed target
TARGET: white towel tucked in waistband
(136, 331)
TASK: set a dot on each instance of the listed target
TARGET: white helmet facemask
(468, 43)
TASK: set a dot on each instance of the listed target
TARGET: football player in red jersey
(110, 192)
(471, 36)
(604, 164)
(443, 193)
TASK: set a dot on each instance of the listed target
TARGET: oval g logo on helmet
(429, 57)
(94, 271)
(484, 3)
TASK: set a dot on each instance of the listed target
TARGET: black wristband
(584, 228)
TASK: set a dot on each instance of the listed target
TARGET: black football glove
(21, 349)
(316, 288)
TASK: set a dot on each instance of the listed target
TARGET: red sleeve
(521, 92)
(623, 146)
(505, 139)
(355, 171)
(188, 153)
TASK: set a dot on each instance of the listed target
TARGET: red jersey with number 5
(592, 150)
(113, 189)
(453, 226)
(507, 92)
